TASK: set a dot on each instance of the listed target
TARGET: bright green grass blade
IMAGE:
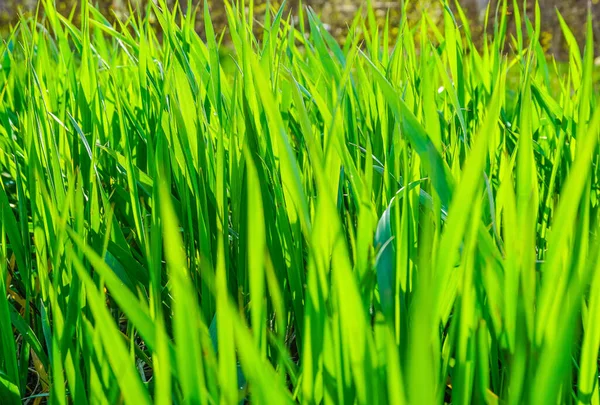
(466, 192)
(9, 391)
(260, 375)
(9, 371)
(526, 205)
(127, 301)
(256, 251)
(574, 52)
(556, 290)
(289, 169)
(129, 380)
(587, 390)
(437, 168)
(188, 349)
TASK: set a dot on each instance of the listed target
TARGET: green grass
(295, 220)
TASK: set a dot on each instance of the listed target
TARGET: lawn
(262, 215)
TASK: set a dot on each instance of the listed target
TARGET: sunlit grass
(296, 220)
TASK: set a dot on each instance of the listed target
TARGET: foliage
(298, 221)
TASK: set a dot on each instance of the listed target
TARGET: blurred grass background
(337, 13)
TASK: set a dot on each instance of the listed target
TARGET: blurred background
(337, 14)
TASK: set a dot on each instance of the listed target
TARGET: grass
(296, 221)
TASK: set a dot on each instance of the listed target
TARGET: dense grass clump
(408, 220)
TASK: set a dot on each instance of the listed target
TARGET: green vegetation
(296, 221)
